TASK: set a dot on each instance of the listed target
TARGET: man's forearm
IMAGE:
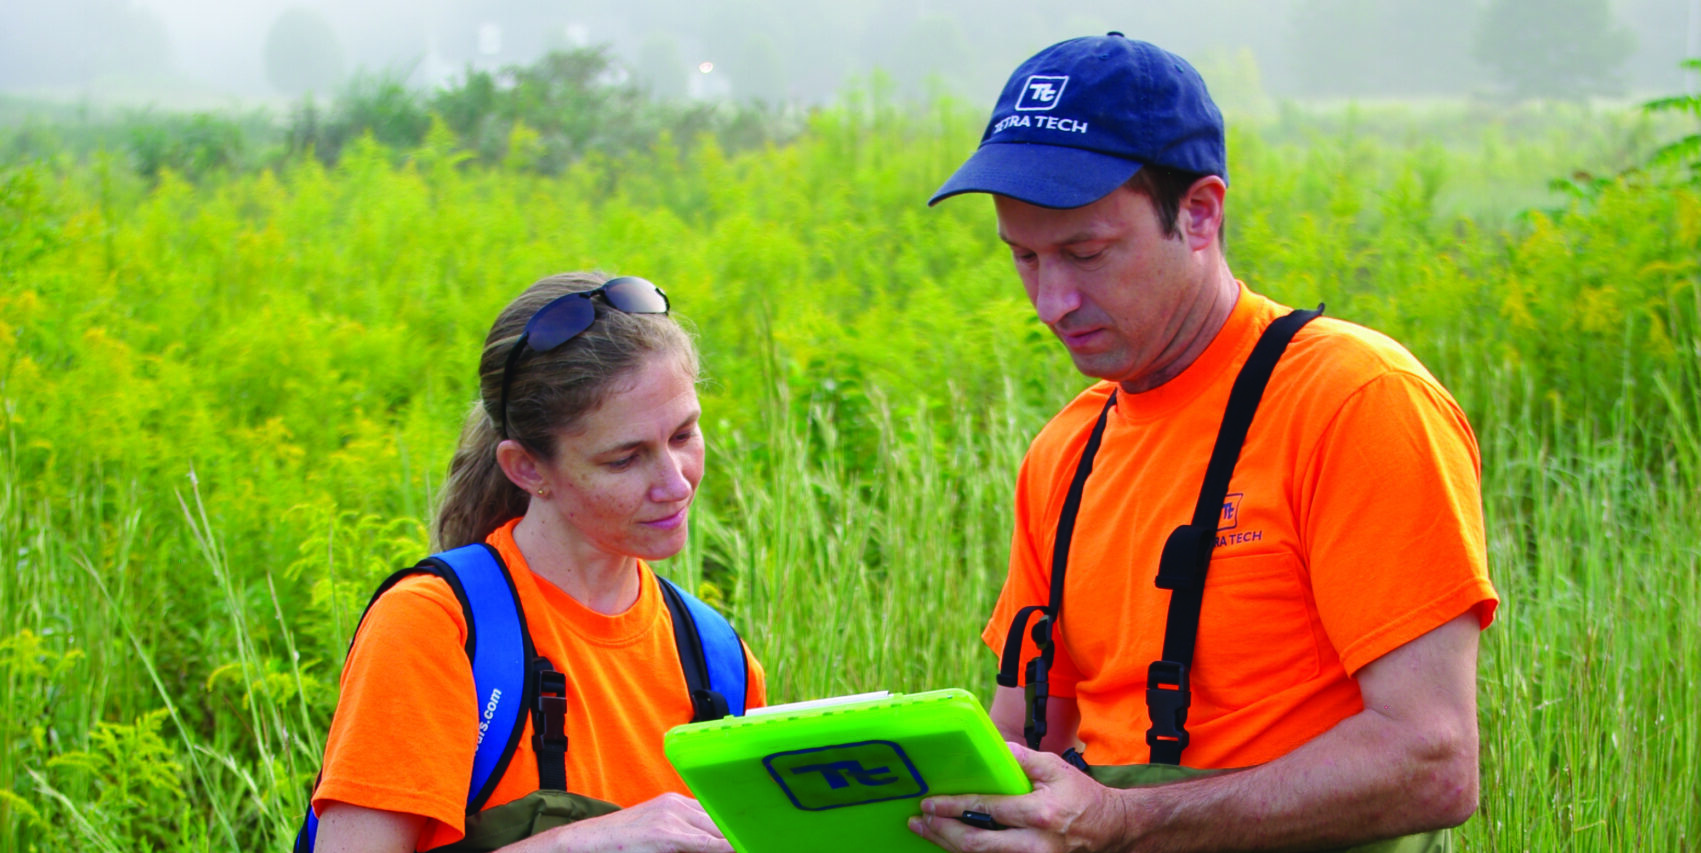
(1406, 763)
(1365, 779)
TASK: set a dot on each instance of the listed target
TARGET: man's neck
(1209, 312)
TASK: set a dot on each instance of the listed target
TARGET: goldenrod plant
(227, 401)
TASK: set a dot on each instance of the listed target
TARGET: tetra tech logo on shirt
(1230, 519)
(1041, 93)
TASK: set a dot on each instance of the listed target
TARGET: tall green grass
(225, 408)
(867, 576)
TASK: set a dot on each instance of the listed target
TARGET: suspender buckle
(1011, 660)
(1167, 700)
(1039, 690)
(1077, 760)
(1187, 554)
(1042, 633)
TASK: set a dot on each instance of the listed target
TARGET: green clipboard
(841, 776)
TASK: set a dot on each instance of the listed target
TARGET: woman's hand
(670, 823)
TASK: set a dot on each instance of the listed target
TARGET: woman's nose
(672, 483)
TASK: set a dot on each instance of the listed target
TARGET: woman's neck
(606, 583)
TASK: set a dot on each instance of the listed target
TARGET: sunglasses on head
(568, 316)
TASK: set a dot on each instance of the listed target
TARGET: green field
(227, 400)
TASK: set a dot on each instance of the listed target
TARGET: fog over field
(163, 51)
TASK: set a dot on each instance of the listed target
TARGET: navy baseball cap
(1079, 118)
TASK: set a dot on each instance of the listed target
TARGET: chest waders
(1181, 570)
(512, 679)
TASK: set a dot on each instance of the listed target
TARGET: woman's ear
(520, 465)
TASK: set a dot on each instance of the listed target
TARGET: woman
(579, 463)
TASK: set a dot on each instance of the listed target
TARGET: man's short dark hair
(1165, 187)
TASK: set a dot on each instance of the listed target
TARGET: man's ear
(522, 468)
(1200, 217)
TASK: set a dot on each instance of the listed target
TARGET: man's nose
(1055, 292)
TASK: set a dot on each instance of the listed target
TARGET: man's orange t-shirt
(1353, 525)
(406, 724)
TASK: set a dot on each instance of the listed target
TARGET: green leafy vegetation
(1685, 152)
(228, 395)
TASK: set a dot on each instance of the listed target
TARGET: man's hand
(1067, 811)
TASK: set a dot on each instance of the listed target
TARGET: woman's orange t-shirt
(1353, 525)
(406, 725)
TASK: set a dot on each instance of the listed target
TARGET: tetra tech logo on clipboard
(847, 774)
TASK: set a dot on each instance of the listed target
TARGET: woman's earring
(543, 491)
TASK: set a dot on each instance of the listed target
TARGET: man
(1327, 668)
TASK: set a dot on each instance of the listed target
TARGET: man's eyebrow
(1072, 239)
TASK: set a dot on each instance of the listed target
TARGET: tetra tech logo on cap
(1041, 92)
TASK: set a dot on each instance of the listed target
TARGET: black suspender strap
(1187, 553)
(1181, 569)
(1039, 668)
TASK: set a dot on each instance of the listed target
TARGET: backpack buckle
(550, 728)
(708, 705)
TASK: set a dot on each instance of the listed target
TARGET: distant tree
(579, 101)
(379, 104)
(193, 146)
(383, 105)
(471, 110)
(302, 53)
(1554, 48)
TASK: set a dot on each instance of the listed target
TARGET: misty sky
(201, 49)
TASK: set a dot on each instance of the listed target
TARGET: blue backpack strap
(716, 672)
(499, 648)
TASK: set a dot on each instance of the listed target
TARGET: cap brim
(1044, 175)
